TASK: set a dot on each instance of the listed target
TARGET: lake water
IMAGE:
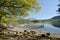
(49, 28)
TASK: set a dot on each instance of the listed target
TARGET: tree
(14, 8)
(35, 21)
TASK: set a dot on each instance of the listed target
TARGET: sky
(48, 10)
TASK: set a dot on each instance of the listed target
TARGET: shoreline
(37, 36)
(52, 34)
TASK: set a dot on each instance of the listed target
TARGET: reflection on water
(33, 26)
(51, 28)
(56, 25)
(47, 27)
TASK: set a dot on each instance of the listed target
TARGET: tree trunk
(0, 17)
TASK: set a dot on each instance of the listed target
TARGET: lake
(47, 27)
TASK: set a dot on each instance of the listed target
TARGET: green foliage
(16, 8)
(24, 21)
(4, 20)
(35, 21)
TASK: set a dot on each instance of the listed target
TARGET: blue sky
(48, 10)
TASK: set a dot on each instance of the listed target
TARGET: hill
(56, 21)
(56, 18)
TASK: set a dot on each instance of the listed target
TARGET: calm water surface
(49, 28)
